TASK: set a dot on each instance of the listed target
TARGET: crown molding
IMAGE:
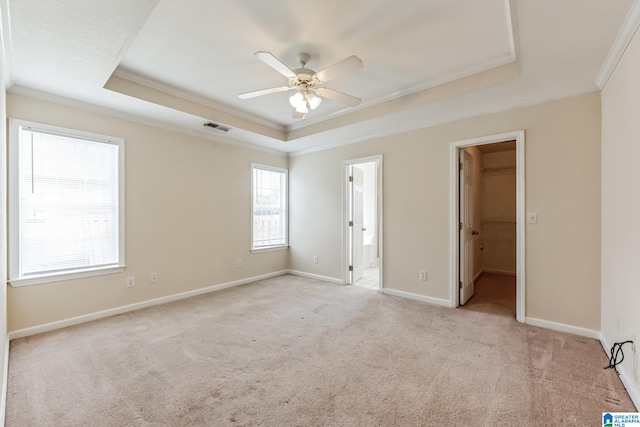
(92, 108)
(439, 81)
(628, 29)
(454, 117)
(6, 56)
(190, 96)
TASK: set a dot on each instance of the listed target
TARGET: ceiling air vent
(216, 126)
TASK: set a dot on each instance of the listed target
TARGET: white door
(466, 226)
(357, 214)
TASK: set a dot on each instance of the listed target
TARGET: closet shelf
(492, 222)
(499, 169)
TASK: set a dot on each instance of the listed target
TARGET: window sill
(270, 248)
(78, 274)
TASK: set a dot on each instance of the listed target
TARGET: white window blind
(67, 188)
(269, 203)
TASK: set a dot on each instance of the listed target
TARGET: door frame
(346, 276)
(454, 256)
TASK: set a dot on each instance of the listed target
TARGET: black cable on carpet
(615, 351)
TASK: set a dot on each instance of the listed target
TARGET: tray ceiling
(184, 63)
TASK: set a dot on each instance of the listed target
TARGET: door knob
(474, 233)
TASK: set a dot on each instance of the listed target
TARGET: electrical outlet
(422, 275)
(131, 282)
(154, 277)
(240, 264)
(315, 259)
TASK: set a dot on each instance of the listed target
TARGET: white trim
(519, 137)
(192, 97)
(284, 197)
(478, 274)
(270, 249)
(562, 327)
(511, 7)
(39, 280)
(240, 143)
(5, 379)
(628, 29)
(7, 44)
(455, 117)
(15, 270)
(20, 333)
(377, 159)
(133, 118)
(626, 377)
(416, 297)
(316, 277)
(505, 59)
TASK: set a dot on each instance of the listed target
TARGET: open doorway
(363, 219)
(487, 210)
(487, 224)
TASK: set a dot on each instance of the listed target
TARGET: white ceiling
(180, 64)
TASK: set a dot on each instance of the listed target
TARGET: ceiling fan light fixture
(314, 101)
(297, 101)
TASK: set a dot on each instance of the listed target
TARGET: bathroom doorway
(363, 218)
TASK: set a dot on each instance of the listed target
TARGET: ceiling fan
(307, 82)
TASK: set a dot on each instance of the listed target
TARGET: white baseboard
(316, 276)
(5, 380)
(137, 306)
(417, 297)
(627, 379)
(561, 327)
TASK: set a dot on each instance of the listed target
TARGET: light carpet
(292, 351)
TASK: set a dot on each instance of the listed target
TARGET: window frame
(284, 171)
(14, 230)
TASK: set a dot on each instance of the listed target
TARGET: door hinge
(460, 226)
(351, 178)
(351, 268)
(460, 285)
(460, 166)
(350, 223)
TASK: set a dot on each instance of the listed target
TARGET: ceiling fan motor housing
(304, 79)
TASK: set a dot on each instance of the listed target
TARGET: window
(269, 207)
(66, 204)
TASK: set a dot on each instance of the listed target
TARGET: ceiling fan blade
(347, 65)
(264, 92)
(297, 114)
(343, 98)
(276, 64)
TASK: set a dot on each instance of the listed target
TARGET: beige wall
(499, 211)
(621, 210)
(187, 216)
(187, 211)
(562, 185)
